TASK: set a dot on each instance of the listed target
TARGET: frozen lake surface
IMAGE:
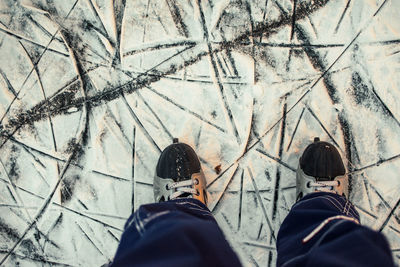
(93, 90)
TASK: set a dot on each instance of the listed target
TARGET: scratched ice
(93, 90)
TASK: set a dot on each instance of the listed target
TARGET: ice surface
(93, 90)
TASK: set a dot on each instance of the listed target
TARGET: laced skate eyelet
(197, 193)
(338, 183)
(167, 187)
(308, 184)
(196, 181)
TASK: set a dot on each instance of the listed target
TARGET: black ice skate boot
(179, 174)
(321, 169)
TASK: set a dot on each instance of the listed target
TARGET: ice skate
(321, 169)
(179, 174)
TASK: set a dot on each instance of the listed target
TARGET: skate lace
(324, 186)
(182, 188)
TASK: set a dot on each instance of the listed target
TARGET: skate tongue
(323, 179)
(185, 195)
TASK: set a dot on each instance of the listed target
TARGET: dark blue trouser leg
(181, 232)
(339, 242)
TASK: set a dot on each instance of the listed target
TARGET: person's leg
(323, 229)
(179, 232)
